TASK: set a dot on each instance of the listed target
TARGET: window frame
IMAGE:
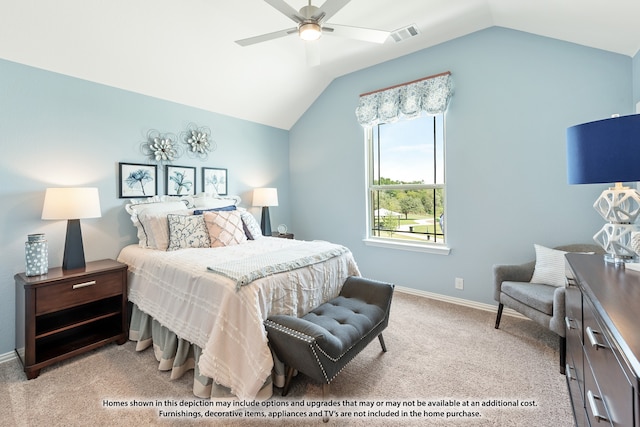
(390, 242)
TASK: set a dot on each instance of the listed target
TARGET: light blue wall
(60, 131)
(515, 95)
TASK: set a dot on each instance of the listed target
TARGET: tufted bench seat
(323, 341)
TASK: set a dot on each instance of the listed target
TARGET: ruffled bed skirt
(179, 356)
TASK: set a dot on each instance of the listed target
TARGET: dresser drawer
(70, 293)
(575, 363)
(611, 390)
(573, 307)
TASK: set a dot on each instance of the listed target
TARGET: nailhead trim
(313, 345)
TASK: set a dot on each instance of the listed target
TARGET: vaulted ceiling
(184, 50)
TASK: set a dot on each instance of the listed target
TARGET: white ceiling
(184, 50)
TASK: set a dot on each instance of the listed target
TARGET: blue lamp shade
(604, 151)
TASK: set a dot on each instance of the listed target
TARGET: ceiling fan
(311, 20)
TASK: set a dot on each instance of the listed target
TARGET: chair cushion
(348, 320)
(534, 295)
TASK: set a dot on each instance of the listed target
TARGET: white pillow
(187, 231)
(550, 266)
(156, 227)
(150, 205)
(204, 201)
(225, 228)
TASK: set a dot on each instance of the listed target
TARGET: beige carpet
(438, 353)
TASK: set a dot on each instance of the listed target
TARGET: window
(404, 129)
(406, 180)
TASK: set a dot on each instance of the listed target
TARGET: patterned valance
(408, 100)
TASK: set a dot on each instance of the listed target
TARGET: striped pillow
(550, 266)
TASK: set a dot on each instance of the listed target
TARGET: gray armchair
(540, 302)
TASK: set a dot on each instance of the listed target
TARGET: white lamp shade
(265, 197)
(71, 203)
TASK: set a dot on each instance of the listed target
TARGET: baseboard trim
(459, 301)
(7, 357)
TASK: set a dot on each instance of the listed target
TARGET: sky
(406, 150)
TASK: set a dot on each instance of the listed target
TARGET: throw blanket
(246, 270)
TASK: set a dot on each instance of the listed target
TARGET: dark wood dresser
(603, 342)
(68, 312)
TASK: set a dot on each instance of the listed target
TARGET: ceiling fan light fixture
(309, 31)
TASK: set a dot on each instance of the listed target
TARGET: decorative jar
(36, 253)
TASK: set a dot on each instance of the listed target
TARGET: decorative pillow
(187, 231)
(550, 266)
(225, 228)
(156, 227)
(251, 226)
(152, 204)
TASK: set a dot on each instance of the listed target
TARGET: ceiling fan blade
(312, 52)
(287, 10)
(328, 9)
(357, 33)
(266, 37)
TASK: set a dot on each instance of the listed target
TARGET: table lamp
(265, 197)
(72, 204)
(608, 151)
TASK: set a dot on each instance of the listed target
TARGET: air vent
(405, 33)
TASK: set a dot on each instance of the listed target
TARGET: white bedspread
(208, 310)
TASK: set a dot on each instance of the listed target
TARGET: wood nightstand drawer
(79, 291)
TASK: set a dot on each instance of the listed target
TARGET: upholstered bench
(323, 341)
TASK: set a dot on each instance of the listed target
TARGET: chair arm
(369, 291)
(556, 324)
(511, 273)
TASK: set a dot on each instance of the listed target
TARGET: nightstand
(283, 235)
(65, 313)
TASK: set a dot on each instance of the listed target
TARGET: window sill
(415, 247)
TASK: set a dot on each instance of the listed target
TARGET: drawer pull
(591, 334)
(84, 285)
(567, 371)
(567, 321)
(594, 408)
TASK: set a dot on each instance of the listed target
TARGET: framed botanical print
(214, 180)
(137, 180)
(180, 180)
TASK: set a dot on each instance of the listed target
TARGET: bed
(202, 280)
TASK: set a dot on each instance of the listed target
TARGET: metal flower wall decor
(198, 141)
(161, 148)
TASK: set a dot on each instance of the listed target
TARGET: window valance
(407, 100)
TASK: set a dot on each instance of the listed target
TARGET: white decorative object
(161, 148)
(198, 141)
(620, 206)
(36, 255)
(282, 229)
(635, 242)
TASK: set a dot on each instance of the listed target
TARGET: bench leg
(325, 396)
(384, 347)
(287, 380)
